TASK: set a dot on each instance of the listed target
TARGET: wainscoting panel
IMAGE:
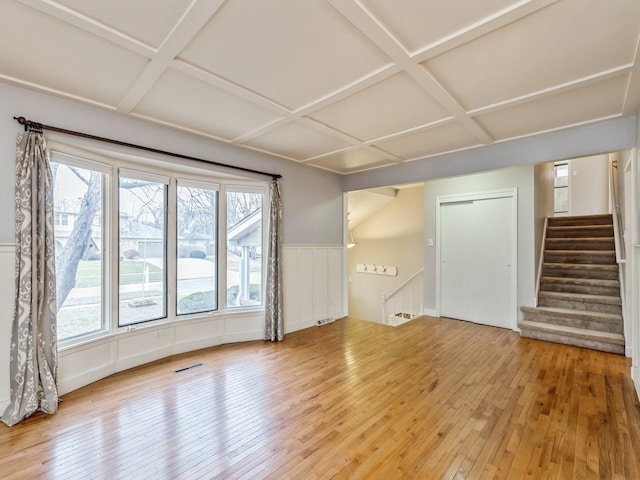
(313, 284)
(313, 290)
(7, 275)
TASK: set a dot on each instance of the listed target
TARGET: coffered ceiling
(343, 85)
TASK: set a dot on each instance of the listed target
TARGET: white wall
(635, 260)
(589, 185)
(312, 222)
(394, 236)
(521, 178)
(543, 195)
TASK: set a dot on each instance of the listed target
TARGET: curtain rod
(30, 124)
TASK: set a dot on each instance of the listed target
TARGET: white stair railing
(618, 229)
(405, 302)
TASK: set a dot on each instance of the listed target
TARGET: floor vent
(325, 321)
(184, 369)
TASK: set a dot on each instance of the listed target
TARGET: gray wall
(521, 178)
(312, 198)
(602, 137)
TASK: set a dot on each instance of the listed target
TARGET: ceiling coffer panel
(40, 50)
(352, 160)
(419, 23)
(297, 142)
(393, 105)
(561, 43)
(136, 22)
(435, 140)
(290, 51)
(182, 100)
(342, 85)
(590, 102)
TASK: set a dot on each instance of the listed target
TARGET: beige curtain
(273, 312)
(33, 356)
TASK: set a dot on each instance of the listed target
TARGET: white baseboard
(628, 352)
(430, 312)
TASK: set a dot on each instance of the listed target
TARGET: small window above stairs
(579, 293)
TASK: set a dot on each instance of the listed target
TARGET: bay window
(151, 245)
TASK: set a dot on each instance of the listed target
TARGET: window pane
(197, 227)
(561, 175)
(77, 199)
(244, 249)
(142, 247)
(561, 200)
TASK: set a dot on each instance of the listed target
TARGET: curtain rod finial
(21, 120)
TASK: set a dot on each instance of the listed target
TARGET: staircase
(579, 295)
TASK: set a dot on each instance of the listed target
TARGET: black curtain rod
(40, 126)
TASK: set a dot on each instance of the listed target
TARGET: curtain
(33, 354)
(273, 312)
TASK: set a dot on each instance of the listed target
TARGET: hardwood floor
(434, 398)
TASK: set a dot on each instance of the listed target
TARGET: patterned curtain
(273, 314)
(33, 357)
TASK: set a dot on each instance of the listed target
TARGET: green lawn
(131, 271)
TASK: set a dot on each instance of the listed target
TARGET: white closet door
(456, 256)
(492, 290)
(476, 253)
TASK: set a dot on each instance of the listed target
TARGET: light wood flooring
(434, 398)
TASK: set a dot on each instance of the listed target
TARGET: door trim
(512, 193)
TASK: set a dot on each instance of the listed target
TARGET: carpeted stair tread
(589, 257)
(580, 243)
(569, 313)
(585, 297)
(574, 331)
(582, 266)
(583, 252)
(600, 219)
(582, 281)
(580, 231)
(579, 337)
(594, 286)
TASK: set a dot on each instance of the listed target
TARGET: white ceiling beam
(378, 35)
(493, 22)
(191, 22)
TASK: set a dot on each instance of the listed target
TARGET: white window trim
(157, 170)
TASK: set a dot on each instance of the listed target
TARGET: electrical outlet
(160, 333)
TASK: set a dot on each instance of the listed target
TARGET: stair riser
(579, 257)
(603, 231)
(578, 342)
(600, 325)
(578, 288)
(585, 220)
(580, 305)
(579, 244)
(580, 272)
